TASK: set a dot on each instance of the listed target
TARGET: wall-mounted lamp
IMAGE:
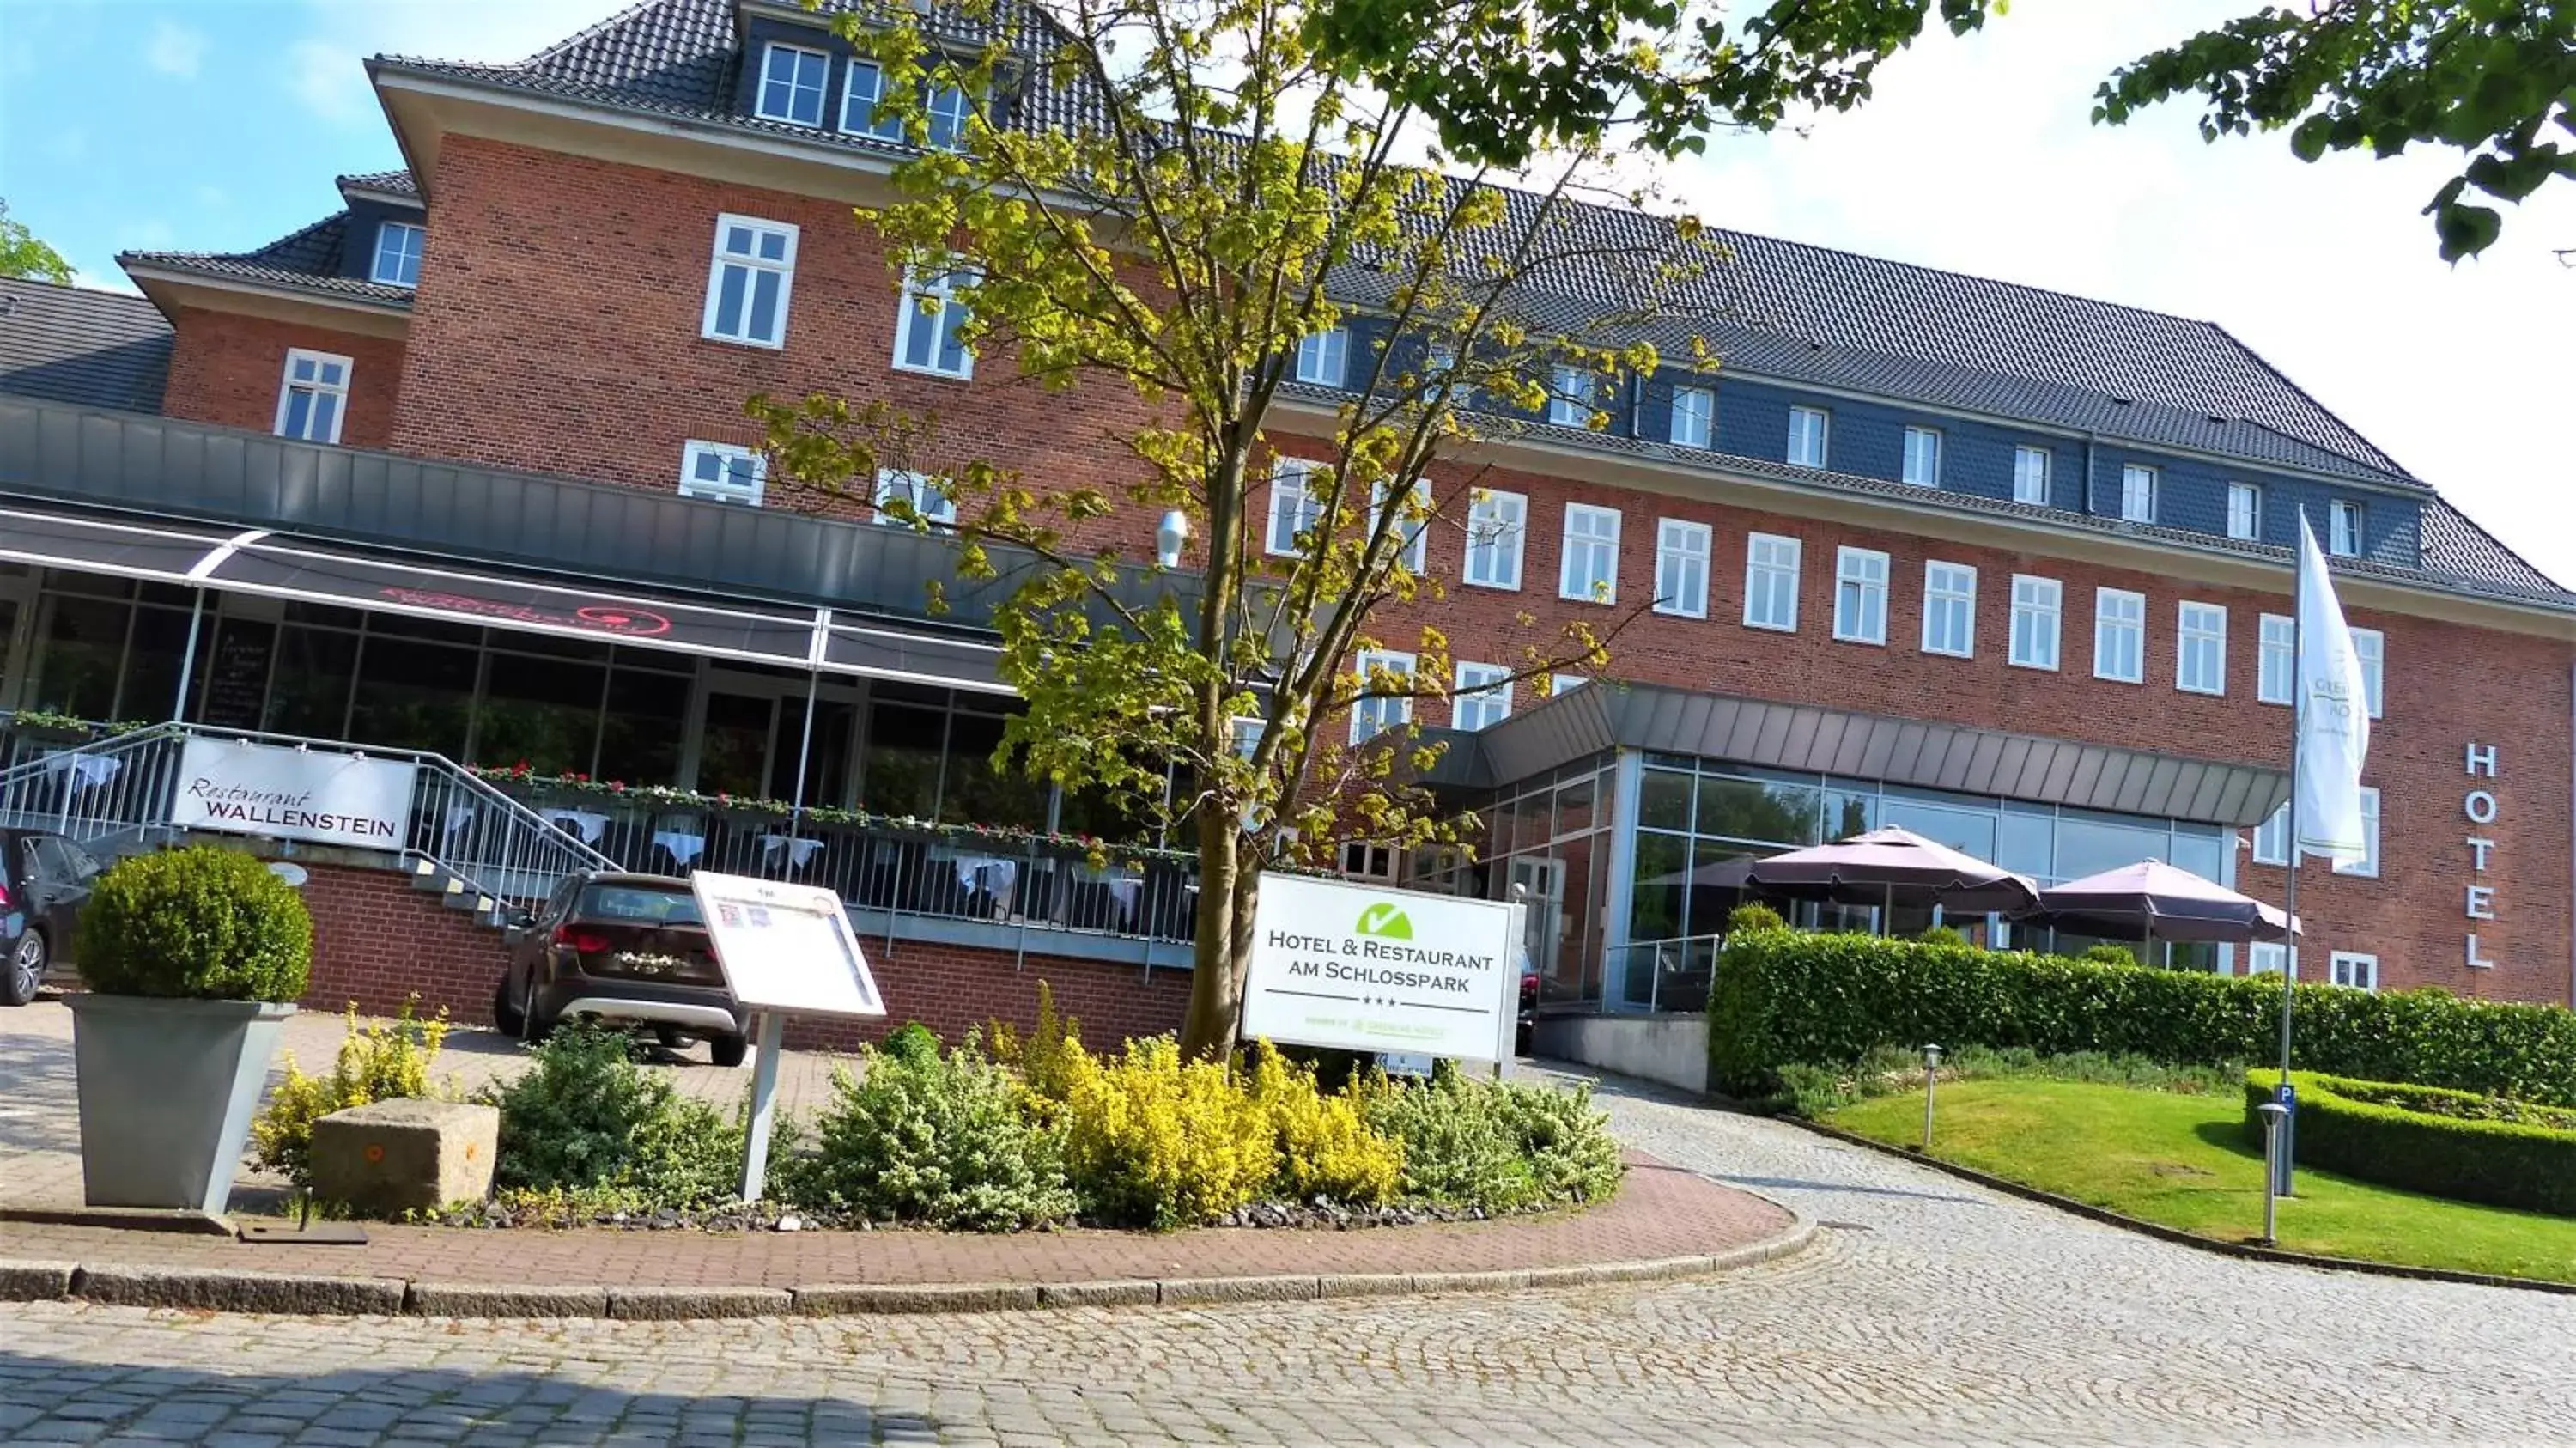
(1171, 537)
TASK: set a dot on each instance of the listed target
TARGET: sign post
(783, 949)
(1359, 968)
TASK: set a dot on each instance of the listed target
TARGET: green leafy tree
(22, 255)
(1228, 196)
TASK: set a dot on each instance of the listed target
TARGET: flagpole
(2290, 890)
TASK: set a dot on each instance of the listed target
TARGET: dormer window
(944, 107)
(791, 85)
(398, 245)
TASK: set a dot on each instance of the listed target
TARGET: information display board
(785, 948)
(1363, 968)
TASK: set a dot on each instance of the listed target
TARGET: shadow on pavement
(1800, 1185)
(47, 1399)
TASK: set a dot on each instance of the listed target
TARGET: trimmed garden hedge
(2445, 1153)
(1783, 997)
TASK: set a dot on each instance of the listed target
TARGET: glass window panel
(2025, 841)
(1969, 829)
(413, 696)
(1663, 869)
(2199, 850)
(639, 741)
(1664, 800)
(80, 650)
(309, 687)
(733, 749)
(2088, 844)
(899, 773)
(1847, 812)
(975, 792)
(544, 711)
(1775, 814)
(152, 664)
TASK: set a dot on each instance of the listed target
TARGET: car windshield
(640, 904)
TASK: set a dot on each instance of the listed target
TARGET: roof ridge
(2308, 397)
(289, 239)
(2545, 577)
(589, 32)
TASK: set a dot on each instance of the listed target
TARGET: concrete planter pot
(167, 1088)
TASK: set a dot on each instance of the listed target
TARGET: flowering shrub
(383, 1062)
(1326, 1147)
(1155, 1141)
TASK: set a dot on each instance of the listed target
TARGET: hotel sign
(316, 795)
(1362, 968)
(2479, 807)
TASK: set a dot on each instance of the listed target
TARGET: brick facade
(377, 942)
(227, 369)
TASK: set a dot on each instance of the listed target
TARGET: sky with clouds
(1976, 155)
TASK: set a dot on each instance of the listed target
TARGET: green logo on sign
(1385, 921)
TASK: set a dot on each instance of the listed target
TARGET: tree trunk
(1216, 982)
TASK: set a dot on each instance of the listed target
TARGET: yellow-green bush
(1326, 1149)
(1152, 1140)
(382, 1062)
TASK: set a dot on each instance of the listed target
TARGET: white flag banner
(2334, 718)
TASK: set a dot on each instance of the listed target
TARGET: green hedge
(1783, 997)
(2445, 1152)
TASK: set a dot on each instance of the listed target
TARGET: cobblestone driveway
(1940, 1313)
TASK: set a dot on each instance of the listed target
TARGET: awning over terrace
(305, 570)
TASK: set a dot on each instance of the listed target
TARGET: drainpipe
(2088, 474)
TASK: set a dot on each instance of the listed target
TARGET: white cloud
(1979, 156)
(175, 49)
(329, 79)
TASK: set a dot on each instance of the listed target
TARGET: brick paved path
(1941, 1313)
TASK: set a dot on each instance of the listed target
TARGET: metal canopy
(291, 568)
(1953, 757)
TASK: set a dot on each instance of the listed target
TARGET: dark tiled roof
(308, 260)
(2455, 545)
(72, 344)
(382, 183)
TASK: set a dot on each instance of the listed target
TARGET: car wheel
(26, 969)
(727, 1050)
(534, 1027)
(507, 1018)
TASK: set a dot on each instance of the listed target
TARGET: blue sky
(1977, 155)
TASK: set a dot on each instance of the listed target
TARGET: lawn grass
(2181, 1160)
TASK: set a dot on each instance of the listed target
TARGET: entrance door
(752, 733)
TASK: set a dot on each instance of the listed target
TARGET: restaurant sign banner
(318, 795)
(1363, 968)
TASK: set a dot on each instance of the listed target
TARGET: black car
(44, 881)
(625, 950)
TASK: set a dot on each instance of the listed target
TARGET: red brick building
(2005, 566)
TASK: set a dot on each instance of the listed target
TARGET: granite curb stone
(1114, 1292)
(681, 1304)
(829, 1299)
(474, 1299)
(1241, 1289)
(231, 1291)
(36, 1281)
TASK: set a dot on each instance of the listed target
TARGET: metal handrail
(1673, 958)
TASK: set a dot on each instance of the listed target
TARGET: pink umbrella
(1891, 866)
(2159, 902)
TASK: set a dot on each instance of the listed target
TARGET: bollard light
(1931, 1071)
(2274, 1115)
(1171, 537)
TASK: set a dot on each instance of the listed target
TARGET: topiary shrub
(1744, 919)
(386, 1061)
(2453, 1144)
(2104, 952)
(195, 924)
(587, 1118)
(941, 1140)
(1943, 935)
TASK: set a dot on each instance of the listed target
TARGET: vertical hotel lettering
(2480, 807)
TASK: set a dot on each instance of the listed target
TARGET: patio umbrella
(2159, 902)
(1895, 866)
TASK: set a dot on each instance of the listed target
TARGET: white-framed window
(1771, 582)
(1923, 456)
(1324, 357)
(2353, 968)
(865, 87)
(2267, 957)
(1681, 568)
(2244, 511)
(934, 506)
(1497, 526)
(2272, 839)
(722, 473)
(2119, 636)
(398, 248)
(1375, 715)
(1950, 609)
(1860, 596)
(1808, 429)
(2368, 865)
(1483, 699)
(2030, 476)
(2200, 649)
(2137, 494)
(2276, 674)
(926, 337)
(2371, 647)
(1694, 416)
(1416, 530)
(2036, 610)
(1591, 568)
(944, 112)
(1365, 860)
(313, 399)
(2344, 528)
(1570, 398)
(1294, 506)
(792, 80)
(1559, 685)
(748, 282)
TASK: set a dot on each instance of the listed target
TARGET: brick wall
(227, 369)
(376, 941)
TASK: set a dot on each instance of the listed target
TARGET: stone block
(830, 1299)
(405, 1155)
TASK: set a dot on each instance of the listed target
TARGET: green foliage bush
(1744, 919)
(940, 1140)
(1943, 935)
(2104, 952)
(1324, 1144)
(197, 924)
(2503, 1163)
(1783, 998)
(586, 1117)
(386, 1061)
(1502, 1146)
(1154, 1141)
